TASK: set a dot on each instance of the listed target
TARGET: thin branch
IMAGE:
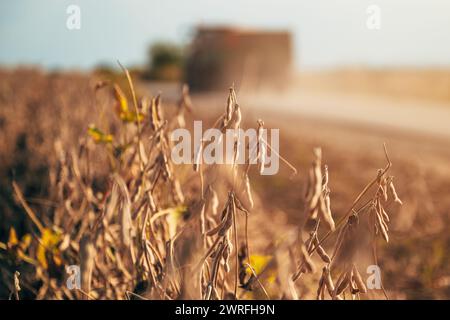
(257, 279)
(27, 208)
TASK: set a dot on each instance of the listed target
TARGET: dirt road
(418, 117)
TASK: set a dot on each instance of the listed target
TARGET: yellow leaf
(272, 277)
(12, 241)
(40, 256)
(131, 116)
(98, 135)
(122, 108)
(25, 242)
(49, 243)
(121, 100)
(174, 216)
(18, 248)
(258, 263)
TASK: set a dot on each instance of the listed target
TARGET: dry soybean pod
(358, 280)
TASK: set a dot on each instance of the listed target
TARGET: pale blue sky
(327, 33)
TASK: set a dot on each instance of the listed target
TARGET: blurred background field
(347, 108)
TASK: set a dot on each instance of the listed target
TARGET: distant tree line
(165, 62)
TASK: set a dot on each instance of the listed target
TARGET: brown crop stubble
(148, 233)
